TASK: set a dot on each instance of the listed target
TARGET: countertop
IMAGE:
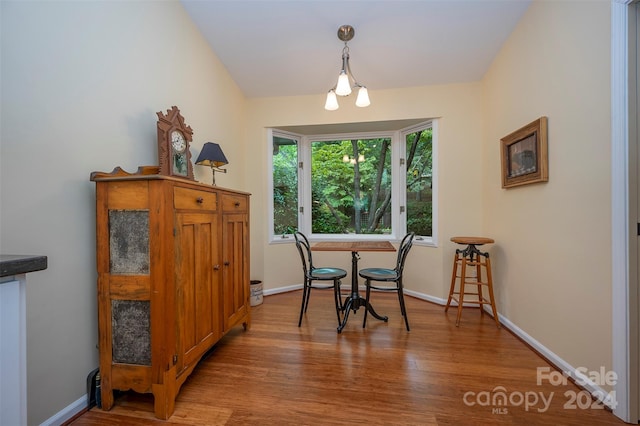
(16, 264)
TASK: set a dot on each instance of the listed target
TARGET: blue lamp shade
(212, 155)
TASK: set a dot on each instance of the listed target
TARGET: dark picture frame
(524, 155)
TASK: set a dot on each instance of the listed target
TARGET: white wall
(553, 266)
(81, 85)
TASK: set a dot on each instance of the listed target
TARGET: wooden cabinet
(173, 278)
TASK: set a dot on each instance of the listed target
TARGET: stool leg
(479, 281)
(463, 275)
(453, 280)
(493, 301)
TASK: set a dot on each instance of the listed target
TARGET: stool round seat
(476, 241)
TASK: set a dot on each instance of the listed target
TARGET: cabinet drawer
(185, 198)
(234, 203)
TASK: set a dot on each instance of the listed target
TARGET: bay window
(368, 185)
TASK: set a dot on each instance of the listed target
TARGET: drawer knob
(216, 267)
(226, 263)
(237, 204)
(199, 200)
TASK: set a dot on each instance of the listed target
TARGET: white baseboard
(282, 289)
(67, 412)
(436, 300)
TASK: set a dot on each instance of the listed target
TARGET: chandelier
(346, 80)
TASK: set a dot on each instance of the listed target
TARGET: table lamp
(212, 155)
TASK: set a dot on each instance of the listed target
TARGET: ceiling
(291, 48)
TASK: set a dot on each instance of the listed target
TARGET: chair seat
(327, 273)
(379, 274)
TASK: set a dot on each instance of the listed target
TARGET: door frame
(624, 210)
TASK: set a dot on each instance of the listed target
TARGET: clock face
(177, 141)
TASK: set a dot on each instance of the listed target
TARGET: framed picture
(524, 155)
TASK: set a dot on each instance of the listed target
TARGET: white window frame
(398, 179)
(281, 238)
(424, 240)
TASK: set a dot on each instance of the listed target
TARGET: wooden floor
(437, 374)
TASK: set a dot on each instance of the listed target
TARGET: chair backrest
(403, 251)
(304, 248)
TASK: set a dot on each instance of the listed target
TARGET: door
(197, 286)
(235, 268)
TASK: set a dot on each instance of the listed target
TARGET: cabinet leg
(106, 395)
(164, 395)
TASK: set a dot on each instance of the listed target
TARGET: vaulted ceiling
(290, 47)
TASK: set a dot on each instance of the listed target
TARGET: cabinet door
(197, 286)
(235, 269)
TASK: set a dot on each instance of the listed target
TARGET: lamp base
(213, 174)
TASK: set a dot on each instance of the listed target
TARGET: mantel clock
(174, 137)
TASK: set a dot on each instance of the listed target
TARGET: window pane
(285, 185)
(351, 186)
(419, 182)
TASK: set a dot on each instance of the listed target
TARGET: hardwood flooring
(436, 374)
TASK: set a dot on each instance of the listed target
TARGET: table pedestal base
(353, 303)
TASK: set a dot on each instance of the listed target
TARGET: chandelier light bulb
(332, 101)
(363, 97)
(343, 88)
(345, 158)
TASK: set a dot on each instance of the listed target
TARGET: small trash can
(256, 292)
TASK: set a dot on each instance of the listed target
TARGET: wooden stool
(471, 256)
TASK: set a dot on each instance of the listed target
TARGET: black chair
(389, 276)
(311, 274)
